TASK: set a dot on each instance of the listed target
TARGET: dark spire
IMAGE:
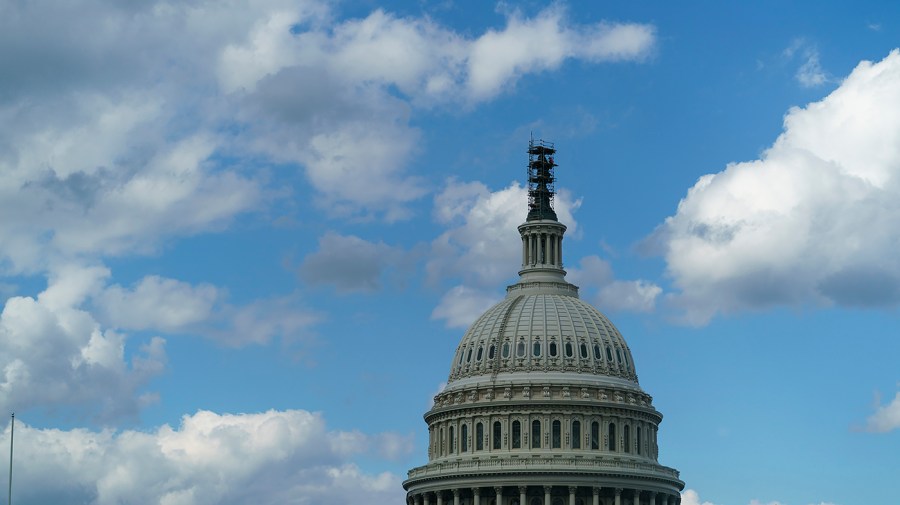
(540, 180)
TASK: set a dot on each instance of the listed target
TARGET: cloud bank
(810, 222)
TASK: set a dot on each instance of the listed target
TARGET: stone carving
(546, 391)
(526, 391)
(507, 392)
(565, 392)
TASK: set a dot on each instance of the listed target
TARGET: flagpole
(12, 428)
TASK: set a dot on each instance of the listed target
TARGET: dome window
(576, 435)
(608, 355)
(595, 436)
(584, 351)
(536, 349)
(555, 439)
(597, 355)
(497, 435)
(464, 438)
(505, 349)
(462, 353)
(536, 434)
(452, 441)
(618, 355)
(520, 349)
(570, 351)
(469, 356)
(612, 437)
(491, 352)
(637, 446)
(479, 353)
(626, 435)
(516, 435)
(479, 437)
(553, 349)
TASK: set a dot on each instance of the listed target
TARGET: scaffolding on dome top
(540, 180)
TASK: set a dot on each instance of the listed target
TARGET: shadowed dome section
(542, 333)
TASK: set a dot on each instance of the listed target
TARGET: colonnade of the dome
(518, 494)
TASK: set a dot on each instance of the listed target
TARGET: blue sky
(240, 241)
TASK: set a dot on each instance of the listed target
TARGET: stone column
(522, 490)
(652, 498)
(637, 497)
(499, 492)
(440, 497)
(597, 496)
(477, 492)
(572, 490)
(547, 490)
(418, 499)
(618, 496)
(456, 497)
(427, 499)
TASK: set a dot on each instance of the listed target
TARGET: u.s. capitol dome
(542, 404)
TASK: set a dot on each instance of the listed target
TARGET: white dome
(555, 335)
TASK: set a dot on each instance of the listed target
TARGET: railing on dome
(487, 465)
(541, 180)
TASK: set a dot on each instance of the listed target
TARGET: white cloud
(810, 73)
(462, 305)
(157, 303)
(634, 296)
(271, 457)
(483, 245)
(543, 42)
(811, 221)
(886, 417)
(53, 355)
(691, 497)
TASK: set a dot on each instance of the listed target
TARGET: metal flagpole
(12, 428)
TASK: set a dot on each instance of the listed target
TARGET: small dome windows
(597, 355)
(469, 356)
(570, 352)
(520, 349)
(553, 349)
(536, 349)
(608, 355)
(478, 355)
(505, 352)
(491, 351)
(584, 350)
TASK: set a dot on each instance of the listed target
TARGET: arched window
(478, 356)
(556, 434)
(462, 354)
(505, 352)
(516, 435)
(612, 436)
(595, 436)
(441, 442)
(497, 435)
(597, 355)
(520, 349)
(553, 349)
(576, 434)
(469, 356)
(536, 434)
(569, 350)
(479, 437)
(464, 438)
(638, 446)
(536, 349)
(626, 434)
(450, 450)
(491, 352)
(608, 355)
(582, 348)
(618, 354)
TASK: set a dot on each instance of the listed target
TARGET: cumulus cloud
(886, 417)
(691, 497)
(811, 221)
(157, 303)
(270, 457)
(595, 277)
(56, 356)
(461, 305)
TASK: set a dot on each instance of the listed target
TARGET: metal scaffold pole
(12, 428)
